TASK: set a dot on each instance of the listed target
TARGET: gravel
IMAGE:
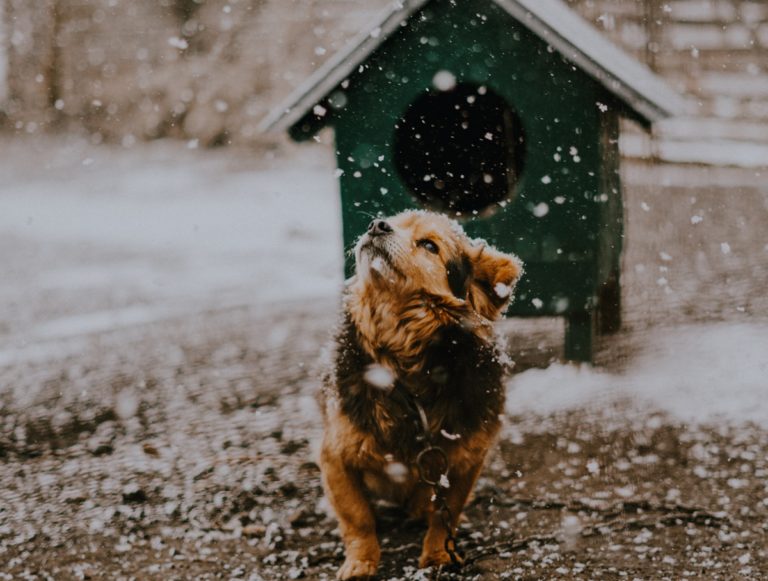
(185, 449)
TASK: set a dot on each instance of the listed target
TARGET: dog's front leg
(433, 551)
(344, 488)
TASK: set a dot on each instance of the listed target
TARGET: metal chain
(437, 484)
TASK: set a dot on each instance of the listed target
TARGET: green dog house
(503, 114)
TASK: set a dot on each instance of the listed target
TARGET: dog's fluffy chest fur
(458, 381)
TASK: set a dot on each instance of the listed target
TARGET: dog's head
(419, 252)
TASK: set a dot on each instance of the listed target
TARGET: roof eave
(631, 81)
(640, 90)
(337, 68)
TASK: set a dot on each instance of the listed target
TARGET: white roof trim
(551, 20)
(339, 66)
(579, 42)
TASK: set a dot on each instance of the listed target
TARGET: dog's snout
(379, 227)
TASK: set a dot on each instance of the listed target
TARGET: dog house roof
(623, 76)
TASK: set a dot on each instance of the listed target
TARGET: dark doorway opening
(460, 150)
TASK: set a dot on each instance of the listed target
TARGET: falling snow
(165, 304)
(502, 290)
(444, 81)
(378, 264)
(210, 447)
(541, 209)
(379, 376)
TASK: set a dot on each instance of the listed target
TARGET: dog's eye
(429, 245)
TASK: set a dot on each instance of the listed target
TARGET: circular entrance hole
(460, 150)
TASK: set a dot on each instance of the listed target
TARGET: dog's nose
(378, 228)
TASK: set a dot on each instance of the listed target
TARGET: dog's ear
(494, 277)
(459, 271)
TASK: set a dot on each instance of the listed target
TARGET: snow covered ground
(700, 374)
(97, 238)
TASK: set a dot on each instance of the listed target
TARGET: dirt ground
(183, 449)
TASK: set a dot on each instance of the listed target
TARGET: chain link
(437, 483)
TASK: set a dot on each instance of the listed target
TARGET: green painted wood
(580, 330)
(611, 229)
(564, 219)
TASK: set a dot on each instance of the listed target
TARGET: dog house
(503, 114)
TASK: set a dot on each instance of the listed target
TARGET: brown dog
(416, 327)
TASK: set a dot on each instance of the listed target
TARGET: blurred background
(210, 69)
(205, 72)
(169, 275)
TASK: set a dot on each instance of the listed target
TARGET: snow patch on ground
(698, 374)
(97, 238)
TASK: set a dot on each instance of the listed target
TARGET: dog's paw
(357, 569)
(437, 559)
